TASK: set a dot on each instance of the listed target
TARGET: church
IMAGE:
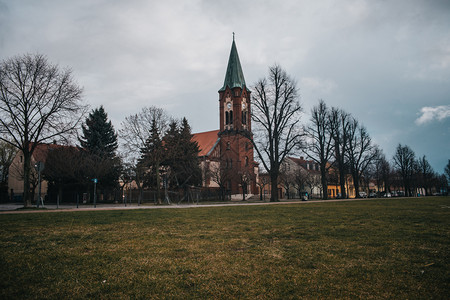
(226, 154)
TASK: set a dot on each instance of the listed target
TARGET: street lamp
(95, 180)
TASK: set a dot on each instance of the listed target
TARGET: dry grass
(396, 248)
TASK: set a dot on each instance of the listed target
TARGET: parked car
(372, 195)
(363, 194)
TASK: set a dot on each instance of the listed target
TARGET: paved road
(15, 208)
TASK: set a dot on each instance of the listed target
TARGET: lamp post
(95, 191)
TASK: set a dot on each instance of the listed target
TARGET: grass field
(393, 248)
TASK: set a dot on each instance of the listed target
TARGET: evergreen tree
(191, 172)
(99, 136)
(100, 142)
(151, 159)
(171, 153)
(181, 155)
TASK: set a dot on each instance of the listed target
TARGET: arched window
(227, 118)
(244, 117)
(231, 117)
(246, 161)
(228, 145)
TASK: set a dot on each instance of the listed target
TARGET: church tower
(236, 150)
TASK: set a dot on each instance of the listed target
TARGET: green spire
(234, 76)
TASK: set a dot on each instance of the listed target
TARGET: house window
(246, 161)
(228, 145)
(21, 159)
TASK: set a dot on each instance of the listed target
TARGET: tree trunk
(158, 184)
(274, 188)
(140, 190)
(323, 179)
(356, 185)
(342, 184)
(26, 178)
(60, 191)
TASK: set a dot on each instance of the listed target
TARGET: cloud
(430, 113)
(319, 84)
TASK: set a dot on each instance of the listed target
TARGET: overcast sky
(385, 62)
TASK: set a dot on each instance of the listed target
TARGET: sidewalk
(16, 208)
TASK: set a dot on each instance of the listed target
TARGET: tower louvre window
(227, 118)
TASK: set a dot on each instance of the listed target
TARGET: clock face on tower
(229, 105)
(243, 105)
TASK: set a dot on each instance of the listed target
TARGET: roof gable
(206, 141)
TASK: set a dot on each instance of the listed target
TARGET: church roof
(234, 76)
(206, 141)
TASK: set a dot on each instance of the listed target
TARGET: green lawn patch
(390, 248)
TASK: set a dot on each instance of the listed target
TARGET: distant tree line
(339, 143)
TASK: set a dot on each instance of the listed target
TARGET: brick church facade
(226, 154)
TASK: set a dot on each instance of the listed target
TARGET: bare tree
(447, 170)
(426, 174)
(134, 132)
(220, 174)
(340, 123)
(404, 160)
(136, 129)
(276, 116)
(39, 102)
(262, 182)
(319, 143)
(287, 177)
(245, 178)
(7, 152)
(361, 152)
(384, 172)
(301, 180)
